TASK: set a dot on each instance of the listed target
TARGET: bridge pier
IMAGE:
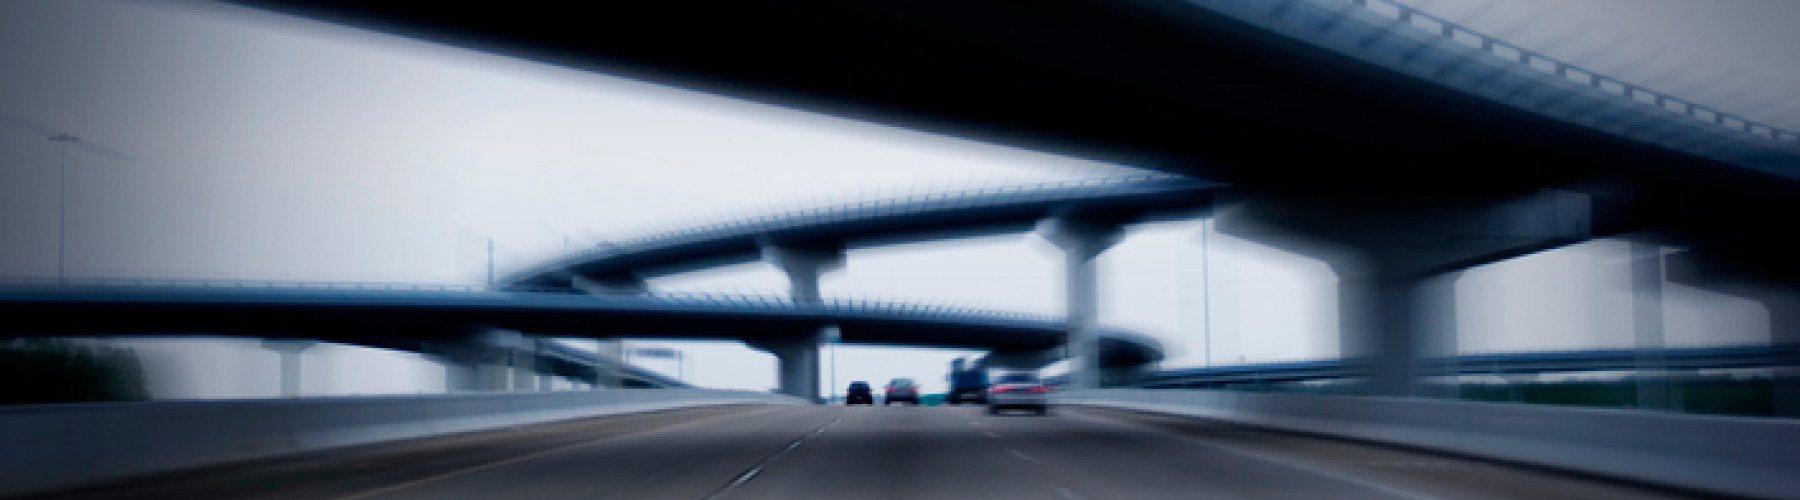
(1082, 240)
(1652, 377)
(1765, 272)
(798, 356)
(1397, 264)
(290, 350)
(488, 360)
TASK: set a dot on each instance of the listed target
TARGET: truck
(967, 384)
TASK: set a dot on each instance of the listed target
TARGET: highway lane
(799, 452)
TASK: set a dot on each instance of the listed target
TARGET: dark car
(859, 394)
(901, 390)
(967, 386)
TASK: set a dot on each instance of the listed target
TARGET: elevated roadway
(390, 318)
(1398, 148)
(785, 452)
(874, 222)
(1355, 101)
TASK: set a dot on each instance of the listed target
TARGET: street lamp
(64, 140)
(62, 200)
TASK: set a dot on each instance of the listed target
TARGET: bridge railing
(896, 206)
(238, 283)
(855, 305)
(1404, 15)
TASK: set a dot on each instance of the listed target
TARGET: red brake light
(1036, 389)
(998, 388)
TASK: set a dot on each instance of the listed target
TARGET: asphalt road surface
(833, 452)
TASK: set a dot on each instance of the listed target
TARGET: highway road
(832, 452)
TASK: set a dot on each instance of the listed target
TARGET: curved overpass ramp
(859, 224)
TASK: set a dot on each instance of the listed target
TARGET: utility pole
(62, 202)
(490, 266)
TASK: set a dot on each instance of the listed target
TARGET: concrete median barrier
(1732, 455)
(45, 447)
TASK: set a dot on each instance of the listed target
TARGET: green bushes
(1713, 394)
(41, 370)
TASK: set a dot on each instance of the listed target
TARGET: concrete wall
(52, 446)
(1736, 455)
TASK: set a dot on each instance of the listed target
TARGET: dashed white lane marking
(1065, 492)
(460, 472)
(990, 434)
(1021, 455)
(757, 469)
(1264, 457)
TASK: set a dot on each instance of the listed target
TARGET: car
(1018, 391)
(967, 385)
(859, 393)
(901, 390)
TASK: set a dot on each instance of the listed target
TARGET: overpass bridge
(1333, 121)
(1083, 217)
(1398, 147)
(602, 293)
(484, 329)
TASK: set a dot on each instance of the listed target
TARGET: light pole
(62, 200)
(64, 140)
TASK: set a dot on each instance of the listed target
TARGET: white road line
(465, 471)
(1264, 457)
(1065, 492)
(757, 469)
(1021, 455)
(989, 434)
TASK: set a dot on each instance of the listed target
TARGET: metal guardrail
(1545, 361)
(855, 305)
(238, 283)
(1407, 16)
(912, 204)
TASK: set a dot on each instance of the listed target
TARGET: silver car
(1018, 391)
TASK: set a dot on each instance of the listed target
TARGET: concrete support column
(290, 350)
(477, 376)
(460, 377)
(486, 360)
(1765, 272)
(1784, 334)
(1082, 242)
(610, 360)
(1647, 325)
(1397, 259)
(524, 371)
(1392, 325)
(799, 356)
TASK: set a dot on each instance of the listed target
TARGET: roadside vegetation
(45, 370)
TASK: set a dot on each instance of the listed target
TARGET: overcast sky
(263, 147)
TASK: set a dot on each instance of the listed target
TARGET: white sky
(265, 148)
